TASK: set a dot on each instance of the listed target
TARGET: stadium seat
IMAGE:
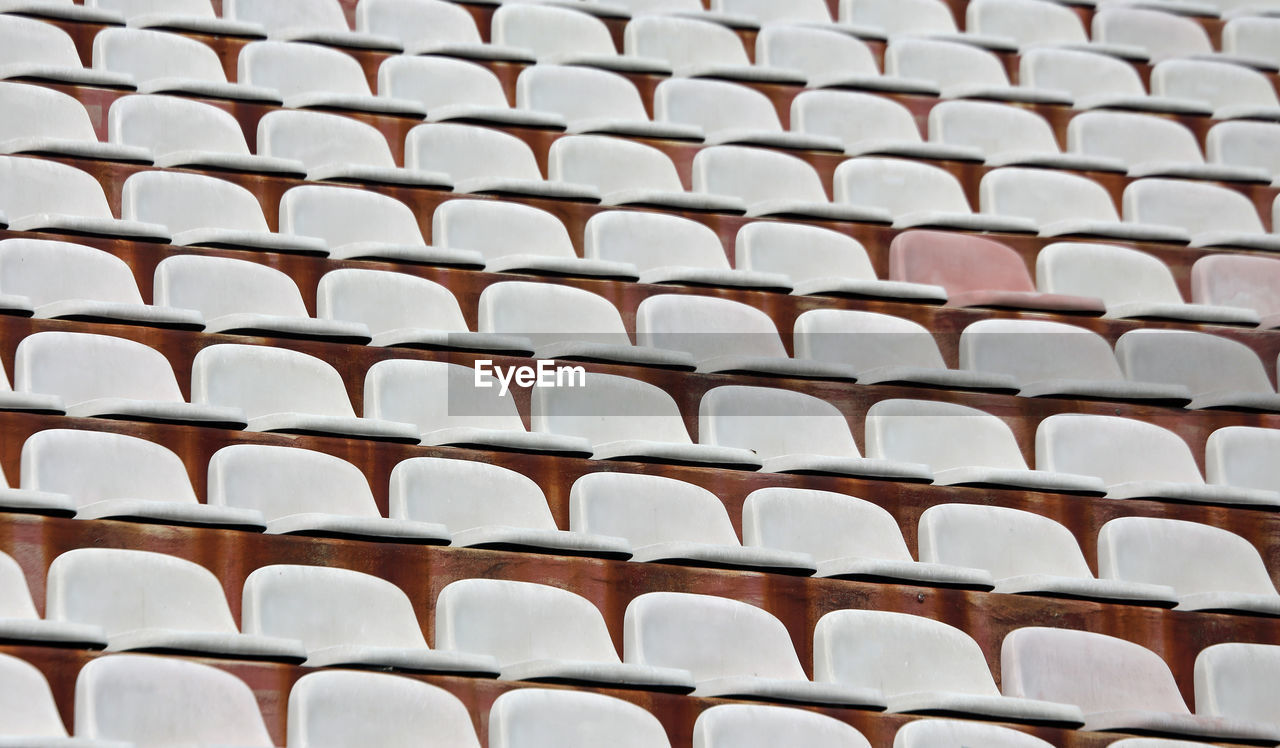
(1119, 685)
(487, 506)
(456, 90)
(1243, 456)
(830, 57)
(1219, 372)
(567, 36)
(345, 617)
(761, 726)
(19, 621)
(1244, 143)
(960, 71)
(1063, 204)
(35, 50)
(1133, 284)
(432, 27)
(1008, 136)
(731, 113)
(1026, 554)
(1209, 568)
(792, 432)
(976, 272)
(405, 311)
(570, 323)
(1235, 679)
(169, 63)
(948, 733)
(1161, 34)
(285, 391)
(28, 714)
(1234, 91)
(869, 125)
(1096, 81)
(848, 537)
(309, 75)
(821, 261)
(669, 249)
(1136, 460)
(629, 173)
(921, 665)
(627, 419)
(41, 195)
(1252, 37)
(962, 446)
(1214, 215)
(688, 9)
(540, 632)
(534, 717)
(301, 491)
(593, 101)
(199, 210)
(929, 18)
(723, 335)
(732, 648)
(485, 161)
(1054, 359)
(116, 476)
(773, 15)
(1034, 24)
(363, 224)
(772, 184)
(10, 400)
(183, 15)
(147, 700)
(245, 298)
(109, 377)
(699, 48)
(153, 601)
(446, 407)
(327, 708)
(31, 502)
(1150, 146)
(916, 195)
(317, 21)
(39, 120)
(671, 521)
(1238, 280)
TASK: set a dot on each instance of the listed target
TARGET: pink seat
(976, 272)
(1239, 280)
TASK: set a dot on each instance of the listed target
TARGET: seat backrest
(865, 340)
(648, 509)
(94, 466)
(940, 435)
(496, 229)
(578, 92)
(1243, 456)
(49, 271)
(1160, 34)
(167, 124)
(1236, 680)
(711, 637)
(158, 701)
(899, 186)
(899, 16)
(324, 607)
(1078, 72)
(1034, 350)
(1115, 449)
(706, 327)
(755, 175)
(610, 164)
(990, 127)
(954, 733)
(1237, 280)
(520, 621)
(1197, 207)
(469, 152)
(80, 366)
(813, 51)
(385, 300)
(342, 216)
(942, 62)
(417, 21)
(32, 42)
(1204, 363)
(768, 12)
(773, 422)
(318, 139)
(609, 408)
(1243, 143)
(1190, 557)
(543, 718)
(182, 202)
(1025, 21)
(261, 380)
(334, 708)
(1218, 83)
(179, 8)
(1045, 196)
(549, 30)
(824, 524)
(714, 105)
(217, 286)
(27, 708)
(279, 481)
(462, 494)
(1006, 542)
(15, 597)
(549, 313)
(1114, 274)
(801, 252)
(1252, 37)
(294, 68)
(35, 185)
(652, 240)
(148, 55)
(760, 726)
(36, 112)
(683, 42)
(296, 14)
(435, 395)
(440, 81)
(1133, 138)
(957, 262)
(853, 117)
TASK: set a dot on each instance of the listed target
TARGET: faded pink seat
(1239, 280)
(976, 272)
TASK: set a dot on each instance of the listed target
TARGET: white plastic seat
(35, 50)
(405, 311)
(1026, 554)
(39, 120)
(962, 446)
(1241, 281)
(338, 148)
(732, 648)
(1064, 204)
(19, 622)
(41, 195)
(870, 125)
(688, 9)
(1234, 91)
(485, 161)
(1252, 37)
(669, 249)
(309, 75)
(915, 17)
(199, 210)
(760, 726)
(1214, 215)
(1133, 284)
(446, 407)
(671, 521)
(1161, 34)
(32, 401)
(31, 502)
(487, 506)
(627, 419)
(432, 27)
(109, 377)
(247, 298)
(116, 476)
(182, 132)
(773, 15)
(592, 101)
(148, 700)
(1244, 143)
(1096, 81)
(921, 665)
(1219, 372)
(821, 261)
(532, 717)
(319, 21)
(28, 714)
(1008, 136)
(1135, 460)
(723, 335)
(301, 491)
(539, 632)
(171, 63)
(516, 237)
(730, 113)
(960, 71)
(183, 15)
(1054, 359)
(916, 195)
(1235, 680)
(629, 173)
(1034, 23)
(830, 57)
(360, 224)
(848, 537)
(564, 35)
(1120, 686)
(1209, 568)
(1243, 456)
(344, 617)
(698, 48)
(947, 733)
(64, 280)
(453, 89)
(792, 432)
(1150, 146)
(153, 601)
(772, 184)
